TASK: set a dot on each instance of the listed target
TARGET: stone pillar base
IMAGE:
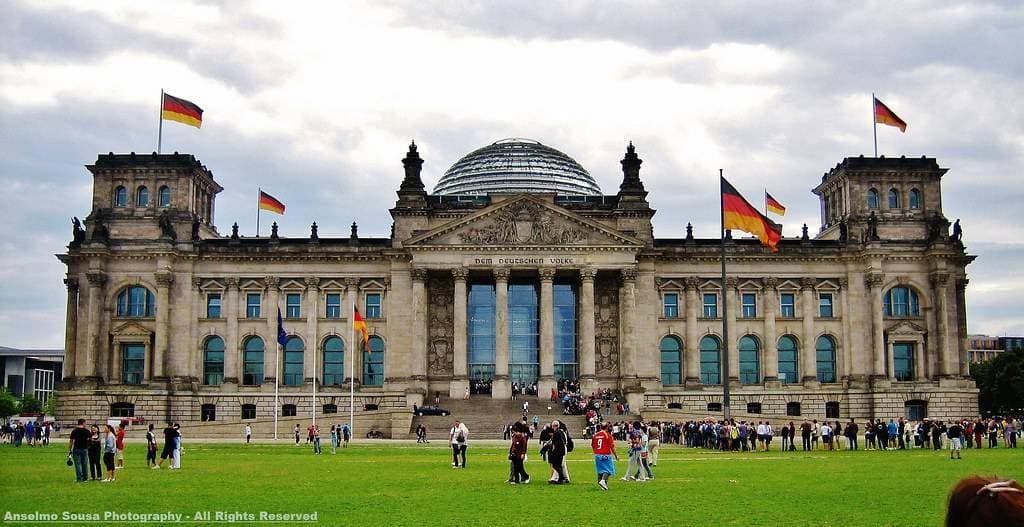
(414, 396)
(588, 384)
(457, 388)
(501, 388)
(772, 382)
(545, 384)
(693, 383)
(880, 381)
(858, 381)
(811, 383)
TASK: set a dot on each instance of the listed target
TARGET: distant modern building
(33, 372)
(1011, 343)
(981, 348)
(517, 269)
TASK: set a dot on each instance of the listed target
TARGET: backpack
(461, 438)
(569, 444)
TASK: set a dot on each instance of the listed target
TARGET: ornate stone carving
(501, 274)
(606, 325)
(271, 281)
(71, 283)
(419, 274)
(939, 279)
(588, 274)
(628, 275)
(196, 281)
(961, 284)
(165, 279)
(808, 282)
(524, 223)
(843, 283)
(351, 282)
(547, 274)
(460, 273)
(691, 283)
(731, 282)
(441, 316)
(312, 281)
(770, 282)
(96, 278)
(873, 280)
(232, 282)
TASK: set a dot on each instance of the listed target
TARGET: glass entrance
(481, 337)
(523, 333)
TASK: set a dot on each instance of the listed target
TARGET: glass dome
(517, 165)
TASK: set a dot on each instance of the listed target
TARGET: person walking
(346, 434)
(297, 434)
(603, 446)
(653, 443)
(95, 454)
(176, 459)
(955, 432)
(120, 445)
(168, 450)
(316, 440)
(109, 450)
(78, 450)
(334, 439)
(458, 438)
(517, 454)
(150, 447)
(556, 455)
(248, 434)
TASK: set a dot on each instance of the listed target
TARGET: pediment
(667, 284)
(788, 285)
(131, 329)
(905, 327)
(524, 221)
(749, 285)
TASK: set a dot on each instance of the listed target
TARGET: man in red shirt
(120, 445)
(603, 444)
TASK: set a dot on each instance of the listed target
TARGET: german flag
(737, 213)
(883, 115)
(268, 202)
(186, 112)
(773, 205)
(359, 325)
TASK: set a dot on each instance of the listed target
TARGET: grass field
(409, 484)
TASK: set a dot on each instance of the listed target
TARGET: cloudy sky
(317, 102)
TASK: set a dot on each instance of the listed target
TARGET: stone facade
(865, 319)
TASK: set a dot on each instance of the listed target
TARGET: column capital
(587, 274)
(808, 282)
(96, 278)
(71, 283)
(232, 282)
(874, 280)
(501, 274)
(843, 283)
(770, 282)
(419, 274)
(731, 282)
(460, 274)
(961, 284)
(547, 274)
(628, 274)
(351, 282)
(196, 282)
(166, 279)
(271, 281)
(691, 283)
(939, 279)
(312, 282)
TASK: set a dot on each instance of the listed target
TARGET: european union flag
(282, 336)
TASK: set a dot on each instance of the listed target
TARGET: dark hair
(110, 429)
(81, 421)
(150, 426)
(971, 504)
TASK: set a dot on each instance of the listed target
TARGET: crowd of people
(89, 446)
(31, 433)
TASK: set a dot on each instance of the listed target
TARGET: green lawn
(408, 484)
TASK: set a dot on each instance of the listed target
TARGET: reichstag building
(516, 270)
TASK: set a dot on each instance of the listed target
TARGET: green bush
(31, 405)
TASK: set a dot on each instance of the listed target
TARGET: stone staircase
(486, 417)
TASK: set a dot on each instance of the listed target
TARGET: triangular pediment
(131, 329)
(906, 328)
(524, 220)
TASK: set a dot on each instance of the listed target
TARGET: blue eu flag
(282, 336)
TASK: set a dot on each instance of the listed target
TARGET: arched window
(710, 360)
(894, 199)
(753, 408)
(142, 197)
(288, 410)
(826, 358)
(901, 301)
(164, 196)
(293, 350)
(248, 411)
(120, 196)
(213, 361)
(750, 364)
(793, 409)
(788, 355)
(872, 198)
(915, 198)
(334, 362)
(252, 362)
(671, 361)
(208, 412)
(135, 301)
(373, 363)
(330, 409)
(832, 410)
(122, 410)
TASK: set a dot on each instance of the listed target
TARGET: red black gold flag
(773, 205)
(737, 213)
(884, 115)
(268, 202)
(175, 109)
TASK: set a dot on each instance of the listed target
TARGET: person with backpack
(458, 437)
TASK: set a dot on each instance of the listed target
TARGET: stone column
(691, 358)
(273, 355)
(193, 349)
(808, 360)
(771, 345)
(87, 365)
(312, 362)
(948, 366)
(547, 332)
(734, 336)
(501, 388)
(354, 350)
(588, 355)
(232, 348)
(627, 299)
(164, 280)
(418, 350)
(846, 369)
(874, 283)
(70, 328)
(460, 380)
(963, 363)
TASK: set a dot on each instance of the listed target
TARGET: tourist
(993, 433)
(297, 434)
(248, 434)
(458, 438)
(466, 395)
(653, 443)
(95, 454)
(983, 502)
(603, 444)
(837, 432)
(346, 434)
(168, 451)
(881, 435)
(517, 454)
(120, 445)
(826, 436)
(556, 455)
(334, 439)
(176, 460)
(150, 447)
(633, 467)
(937, 435)
(954, 433)
(785, 437)
(851, 434)
(109, 450)
(805, 434)
(310, 432)
(892, 430)
(316, 440)
(78, 450)
(979, 432)
(792, 437)
(1010, 433)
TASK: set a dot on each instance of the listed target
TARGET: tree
(51, 405)
(8, 404)
(1001, 383)
(31, 405)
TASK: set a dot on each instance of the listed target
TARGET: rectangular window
(749, 305)
(671, 305)
(373, 305)
(787, 304)
(903, 360)
(710, 305)
(825, 305)
(43, 385)
(133, 363)
(293, 305)
(213, 305)
(252, 305)
(333, 305)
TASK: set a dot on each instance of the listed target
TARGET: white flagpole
(277, 375)
(314, 383)
(352, 379)
(160, 129)
(259, 195)
(874, 123)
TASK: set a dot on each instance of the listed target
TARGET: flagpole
(874, 123)
(314, 384)
(352, 369)
(160, 128)
(726, 412)
(259, 194)
(277, 374)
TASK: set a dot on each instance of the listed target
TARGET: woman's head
(985, 502)
(110, 429)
